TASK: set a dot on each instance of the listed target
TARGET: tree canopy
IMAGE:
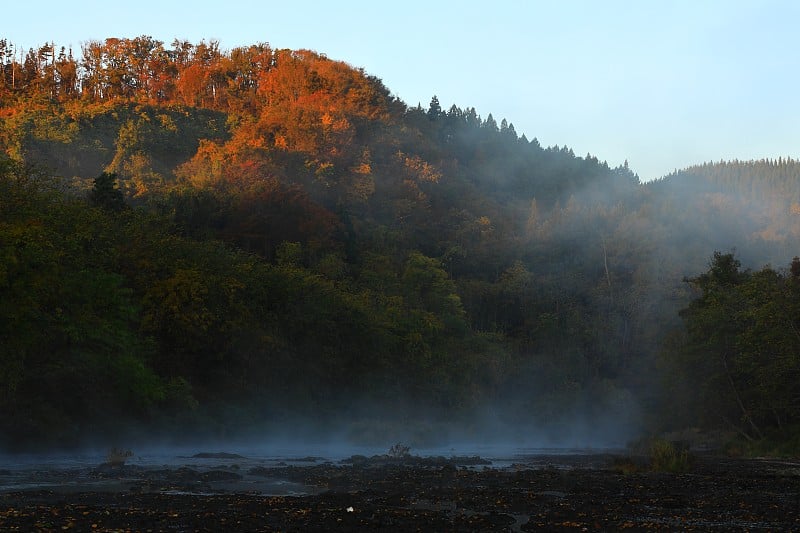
(222, 240)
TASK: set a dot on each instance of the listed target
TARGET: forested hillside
(232, 241)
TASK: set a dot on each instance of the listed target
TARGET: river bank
(425, 494)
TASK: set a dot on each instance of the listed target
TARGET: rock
(217, 455)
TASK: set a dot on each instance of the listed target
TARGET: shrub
(665, 456)
(117, 457)
(399, 451)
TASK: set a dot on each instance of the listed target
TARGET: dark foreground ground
(584, 493)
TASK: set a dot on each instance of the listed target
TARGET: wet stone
(718, 495)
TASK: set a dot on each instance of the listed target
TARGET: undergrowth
(785, 443)
(665, 456)
(656, 455)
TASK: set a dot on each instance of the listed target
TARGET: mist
(267, 261)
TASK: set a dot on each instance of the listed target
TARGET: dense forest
(236, 243)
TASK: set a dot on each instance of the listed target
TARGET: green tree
(434, 109)
(106, 194)
(742, 348)
(714, 321)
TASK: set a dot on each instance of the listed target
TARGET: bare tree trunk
(745, 414)
(605, 266)
(738, 430)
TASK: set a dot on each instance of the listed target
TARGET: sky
(663, 84)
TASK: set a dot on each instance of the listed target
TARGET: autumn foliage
(195, 237)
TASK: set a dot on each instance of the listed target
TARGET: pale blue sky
(663, 84)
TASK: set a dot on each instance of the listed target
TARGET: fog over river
(267, 470)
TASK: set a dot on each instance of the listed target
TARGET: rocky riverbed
(217, 492)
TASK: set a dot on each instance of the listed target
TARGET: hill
(226, 240)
